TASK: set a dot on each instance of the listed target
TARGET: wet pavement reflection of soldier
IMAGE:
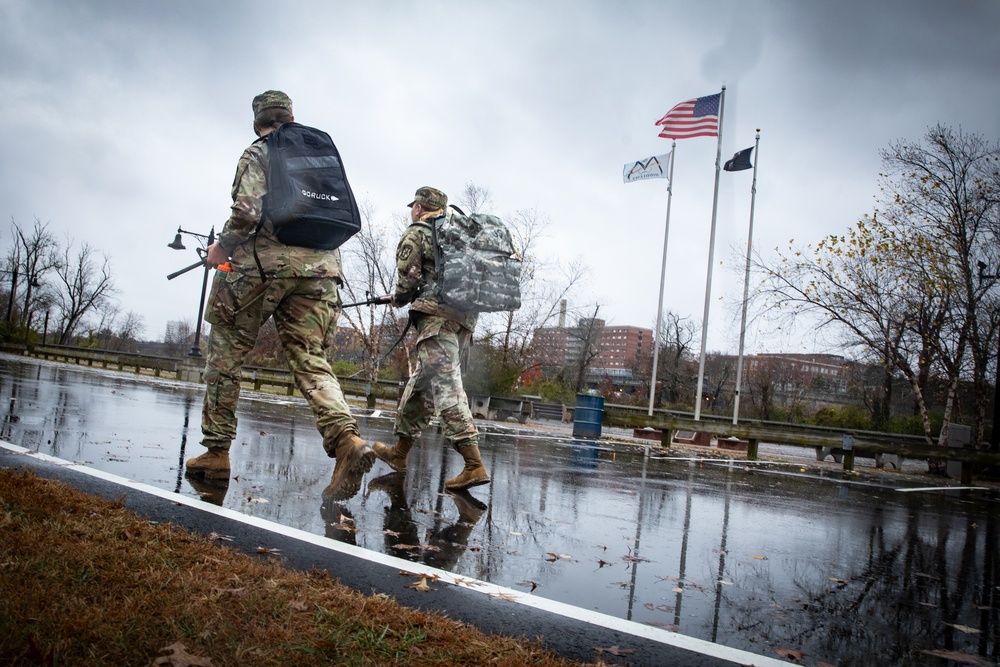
(210, 490)
(445, 543)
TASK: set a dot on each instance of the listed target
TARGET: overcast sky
(126, 119)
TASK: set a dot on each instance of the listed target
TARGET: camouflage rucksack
(478, 268)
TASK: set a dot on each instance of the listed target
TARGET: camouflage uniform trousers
(304, 310)
(436, 383)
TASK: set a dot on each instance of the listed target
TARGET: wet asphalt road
(766, 558)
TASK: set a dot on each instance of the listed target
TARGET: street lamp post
(178, 244)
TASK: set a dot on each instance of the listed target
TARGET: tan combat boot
(473, 474)
(213, 464)
(354, 458)
(396, 455)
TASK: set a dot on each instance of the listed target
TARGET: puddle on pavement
(754, 557)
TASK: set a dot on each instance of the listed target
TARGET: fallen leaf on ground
(759, 557)
(220, 538)
(528, 583)
(965, 628)
(602, 563)
(462, 581)
(634, 559)
(789, 653)
(505, 596)
(265, 550)
(614, 650)
(179, 657)
(964, 658)
(663, 626)
(422, 586)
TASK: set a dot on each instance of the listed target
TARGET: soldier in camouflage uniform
(301, 293)
(443, 339)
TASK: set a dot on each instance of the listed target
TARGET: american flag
(694, 118)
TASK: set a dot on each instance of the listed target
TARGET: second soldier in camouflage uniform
(443, 340)
(301, 294)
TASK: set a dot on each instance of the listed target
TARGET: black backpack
(308, 200)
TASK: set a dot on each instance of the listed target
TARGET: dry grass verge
(85, 582)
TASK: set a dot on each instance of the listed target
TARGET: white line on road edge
(945, 488)
(443, 576)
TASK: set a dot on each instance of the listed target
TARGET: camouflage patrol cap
(429, 198)
(270, 99)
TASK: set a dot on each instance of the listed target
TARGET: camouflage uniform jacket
(416, 274)
(240, 233)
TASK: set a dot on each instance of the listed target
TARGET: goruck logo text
(319, 195)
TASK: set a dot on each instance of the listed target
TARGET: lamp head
(177, 244)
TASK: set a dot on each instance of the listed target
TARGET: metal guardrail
(852, 442)
(190, 369)
(105, 359)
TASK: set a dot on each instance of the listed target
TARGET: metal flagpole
(663, 273)
(711, 260)
(746, 282)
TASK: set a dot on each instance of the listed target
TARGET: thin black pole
(196, 348)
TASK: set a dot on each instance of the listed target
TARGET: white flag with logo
(652, 167)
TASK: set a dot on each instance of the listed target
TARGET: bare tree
(87, 284)
(476, 199)
(673, 366)
(33, 255)
(178, 338)
(944, 189)
(586, 334)
(116, 330)
(370, 268)
(900, 283)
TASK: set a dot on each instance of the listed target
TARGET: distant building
(175, 329)
(814, 373)
(621, 354)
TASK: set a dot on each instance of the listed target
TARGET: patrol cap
(270, 99)
(429, 198)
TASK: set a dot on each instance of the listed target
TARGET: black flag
(740, 161)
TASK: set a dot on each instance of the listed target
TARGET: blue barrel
(588, 416)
